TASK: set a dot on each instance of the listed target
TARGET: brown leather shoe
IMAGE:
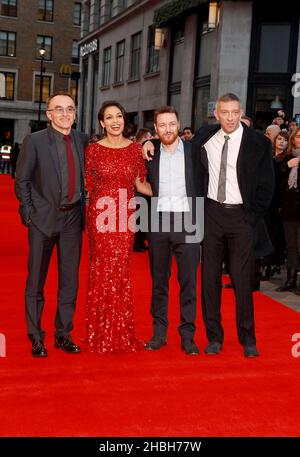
(67, 345)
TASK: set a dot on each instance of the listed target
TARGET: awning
(173, 9)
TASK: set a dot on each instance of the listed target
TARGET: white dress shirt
(172, 189)
(214, 152)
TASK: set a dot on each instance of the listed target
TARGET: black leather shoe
(213, 348)
(67, 345)
(251, 351)
(155, 343)
(189, 347)
(38, 349)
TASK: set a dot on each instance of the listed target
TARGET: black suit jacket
(38, 178)
(255, 174)
(191, 187)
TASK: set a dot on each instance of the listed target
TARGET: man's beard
(169, 139)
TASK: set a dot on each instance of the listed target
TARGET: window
(274, 48)
(120, 54)
(77, 14)
(75, 53)
(93, 119)
(178, 53)
(152, 53)
(200, 106)
(136, 41)
(106, 67)
(205, 54)
(8, 8)
(45, 10)
(45, 41)
(83, 92)
(7, 44)
(9, 85)
(46, 87)
(110, 4)
(74, 85)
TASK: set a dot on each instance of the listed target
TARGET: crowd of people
(66, 181)
(283, 217)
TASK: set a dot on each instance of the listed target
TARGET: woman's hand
(293, 162)
(148, 150)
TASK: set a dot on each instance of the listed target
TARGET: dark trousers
(67, 237)
(162, 247)
(227, 227)
(292, 238)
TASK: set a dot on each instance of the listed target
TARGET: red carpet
(165, 393)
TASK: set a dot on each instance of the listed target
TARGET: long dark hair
(109, 103)
(291, 145)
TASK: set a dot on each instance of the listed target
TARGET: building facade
(147, 53)
(26, 79)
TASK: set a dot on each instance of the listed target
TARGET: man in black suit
(234, 170)
(173, 216)
(50, 188)
(236, 165)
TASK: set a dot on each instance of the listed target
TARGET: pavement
(288, 299)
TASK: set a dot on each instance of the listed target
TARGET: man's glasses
(61, 110)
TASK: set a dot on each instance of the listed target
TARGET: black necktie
(221, 197)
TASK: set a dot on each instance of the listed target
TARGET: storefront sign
(88, 48)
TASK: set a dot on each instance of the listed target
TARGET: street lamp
(42, 52)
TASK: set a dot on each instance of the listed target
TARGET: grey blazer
(38, 178)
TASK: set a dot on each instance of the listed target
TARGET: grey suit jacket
(38, 178)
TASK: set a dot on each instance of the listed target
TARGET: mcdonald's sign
(65, 70)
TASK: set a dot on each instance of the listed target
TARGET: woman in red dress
(113, 166)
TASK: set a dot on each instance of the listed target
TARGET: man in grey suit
(50, 188)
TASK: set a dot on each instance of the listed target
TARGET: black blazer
(255, 174)
(190, 183)
(38, 178)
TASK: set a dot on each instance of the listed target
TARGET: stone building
(146, 53)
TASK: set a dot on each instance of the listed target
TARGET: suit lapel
(245, 150)
(54, 153)
(207, 134)
(78, 150)
(155, 168)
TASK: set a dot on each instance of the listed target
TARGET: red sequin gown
(110, 175)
